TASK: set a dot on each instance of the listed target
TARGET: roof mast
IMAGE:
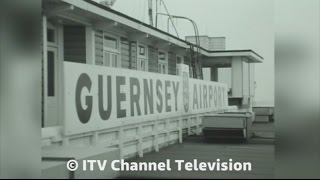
(150, 12)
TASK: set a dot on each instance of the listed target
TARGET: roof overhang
(223, 58)
(90, 13)
(98, 14)
(250, 55)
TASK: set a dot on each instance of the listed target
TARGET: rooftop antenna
(169, 18)
(197, 55)
(150, 12)
(156, 14)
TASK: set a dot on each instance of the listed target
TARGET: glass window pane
(50, 72)
(110, 42)
(106, 58)
(50, 35)
(142, 51)
(162, 56)
(115, 60)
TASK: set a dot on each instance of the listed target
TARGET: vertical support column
(45, 64)
(90, 45)
(237, 77)
(140, 141)
(120, 140)
(198, 124)
(94, 139)
(60, 83)
(252, 85)
(156, 136)
(167, 130)
(180, 129)
(189, 125)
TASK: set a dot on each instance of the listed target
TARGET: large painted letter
(120, 80)
(167, 96)
(104, 114)
(84, 115)
(175, 91)
(159, 95)
(210, 95)
(134, 82)
(148, 96)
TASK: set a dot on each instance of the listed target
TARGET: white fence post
(95, 138)
(120, 139)
(180, 129)
(156, 136)
(189, 125)
(140, 142)
(167, 130)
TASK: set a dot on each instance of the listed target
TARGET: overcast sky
(246, 24)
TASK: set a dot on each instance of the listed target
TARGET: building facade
(93, 54)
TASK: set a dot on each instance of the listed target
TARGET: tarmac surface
(259, 151)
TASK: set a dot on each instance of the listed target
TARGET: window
(162, 62)
(111, 51)
(162, 56)
(110, 42)
(51, 35)
(142, 60)
(162, 68)
(51, 74)
(143, 65)
(179, 61)
(142, 50)
(111, 59)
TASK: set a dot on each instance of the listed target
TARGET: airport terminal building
(114, 85)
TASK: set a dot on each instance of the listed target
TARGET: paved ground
(259, 151)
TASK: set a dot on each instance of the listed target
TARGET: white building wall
(217, 43)
(209, 43)
(204, 41)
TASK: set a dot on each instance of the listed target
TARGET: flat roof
(251, 56)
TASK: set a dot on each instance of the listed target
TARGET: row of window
(111, 55)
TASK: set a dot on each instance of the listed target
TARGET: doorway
(51, 78)
(52, 87)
